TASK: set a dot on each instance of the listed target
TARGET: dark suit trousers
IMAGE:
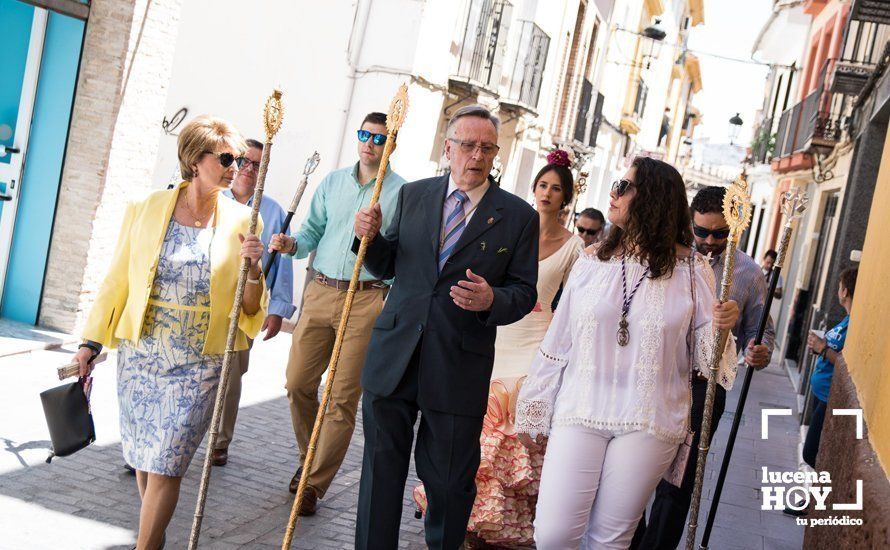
(671, 506)
(446, 456)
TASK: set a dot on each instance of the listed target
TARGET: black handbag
(68, 417)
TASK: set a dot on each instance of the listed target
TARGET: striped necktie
(454, 225)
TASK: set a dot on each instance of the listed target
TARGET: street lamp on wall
(735, 126)
(654, 35)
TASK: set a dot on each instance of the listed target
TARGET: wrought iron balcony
(849, 77)
(481, 57)
(524, 88)
(866, 31)
(820, 124)
(874, 11)
(816, 124)
(589, 115)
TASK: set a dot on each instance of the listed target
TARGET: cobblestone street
(89, 501)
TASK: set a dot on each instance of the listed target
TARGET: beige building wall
(113, 141)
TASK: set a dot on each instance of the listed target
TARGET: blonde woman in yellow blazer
(165, 305)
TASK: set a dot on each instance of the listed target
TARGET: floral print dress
(166, 386)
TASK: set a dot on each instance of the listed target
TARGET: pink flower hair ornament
(559, 158)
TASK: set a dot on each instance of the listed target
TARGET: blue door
(37, 83)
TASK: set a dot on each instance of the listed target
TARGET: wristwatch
(96, 351)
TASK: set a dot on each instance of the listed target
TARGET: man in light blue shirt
(328, 230)
(280, 283)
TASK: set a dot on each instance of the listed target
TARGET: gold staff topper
(737, 207)
(273, 114)
(581, 184)
(398, 108)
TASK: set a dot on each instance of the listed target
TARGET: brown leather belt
(344, 285)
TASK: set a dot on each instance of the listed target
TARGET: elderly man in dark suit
(464, 255)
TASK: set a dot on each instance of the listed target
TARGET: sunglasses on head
(703, 233)
(620, 187)
(591, 232)
(364, 136)
(226, 159)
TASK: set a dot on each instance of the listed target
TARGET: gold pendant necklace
(192, 213)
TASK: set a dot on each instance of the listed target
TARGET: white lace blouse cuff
(727, 369)
(533, 417)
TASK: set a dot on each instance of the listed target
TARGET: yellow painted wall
(867, 350)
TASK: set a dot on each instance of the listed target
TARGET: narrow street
(88, 501)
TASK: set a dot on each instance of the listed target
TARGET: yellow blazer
(119, 308)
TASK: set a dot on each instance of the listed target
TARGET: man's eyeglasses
(247, 163)
(364, 136)
(620, 187)
(703, 233)
(469, 147)
(226, 159)
(591, 232)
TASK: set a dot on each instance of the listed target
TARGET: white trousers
(595, 486)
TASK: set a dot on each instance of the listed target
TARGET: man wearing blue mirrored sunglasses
(328, 230)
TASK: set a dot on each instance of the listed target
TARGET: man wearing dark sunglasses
(671, 505)
(590, 225)
(328, 230)
(279, 282)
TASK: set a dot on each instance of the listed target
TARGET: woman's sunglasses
(620, 187)
(364, 135)
(703, 233)
(226, 159)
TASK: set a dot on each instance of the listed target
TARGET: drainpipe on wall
(353, 51)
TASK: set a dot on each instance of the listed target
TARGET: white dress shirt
(475, 196)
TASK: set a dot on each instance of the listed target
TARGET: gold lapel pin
(490, 221)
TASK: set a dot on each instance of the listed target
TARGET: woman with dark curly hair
(609, 388)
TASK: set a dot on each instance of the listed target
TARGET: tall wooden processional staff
(272, 116)
(737, 211)
(394, 119)
(793, 205)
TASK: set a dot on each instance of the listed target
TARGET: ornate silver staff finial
(311, 163)
(794, 203)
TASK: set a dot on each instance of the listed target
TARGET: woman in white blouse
(609, 388)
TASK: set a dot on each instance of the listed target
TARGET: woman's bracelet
(92, 348)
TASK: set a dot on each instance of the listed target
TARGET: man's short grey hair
(475, 110)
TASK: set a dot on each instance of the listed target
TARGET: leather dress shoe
(310, 502)
(220, 457)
